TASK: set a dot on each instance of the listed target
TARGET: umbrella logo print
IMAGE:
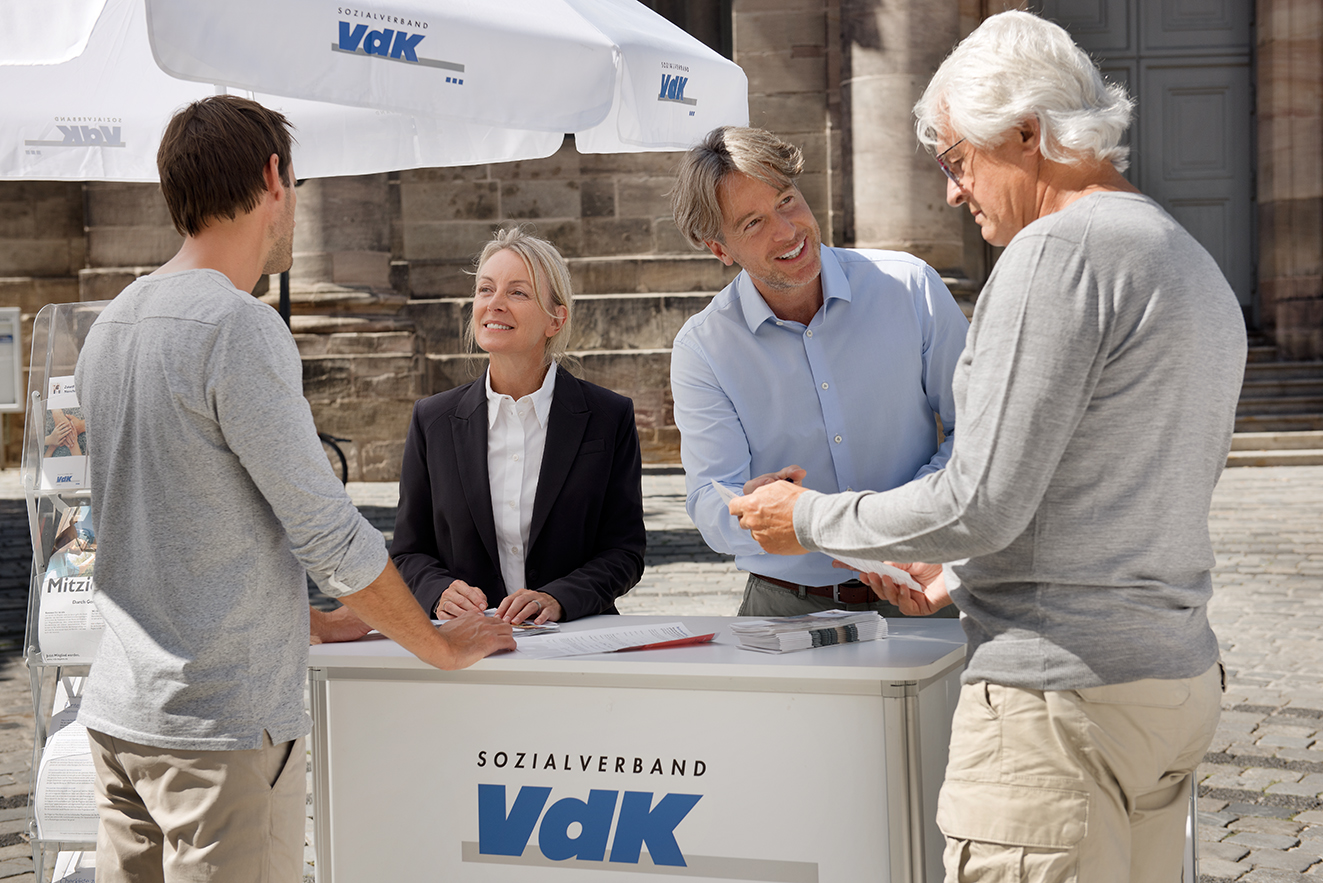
(83, 136)
(388, 44)
(672, 85)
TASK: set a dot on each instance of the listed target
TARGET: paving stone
(1264, 841)
(1220, 869)
(1253, 825)
(1282, 860)
(1231, 852)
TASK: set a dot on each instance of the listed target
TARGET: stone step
(1276, 371)
(1282, 387)
(1279, 422)
(431, 279)
(1302, 457)
(1261, 353)
(354, 341)
(327, 298)
(601, 321)
(1302, 404)
(1277, 441)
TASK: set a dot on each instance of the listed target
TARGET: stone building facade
(379, 281)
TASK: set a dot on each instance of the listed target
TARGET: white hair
(1016, 66)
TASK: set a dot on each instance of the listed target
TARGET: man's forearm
(387, 605)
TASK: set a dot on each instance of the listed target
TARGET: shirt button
(514, 550)
(809, 332)
(824, 386)
(514, 456)
(513, 505)
(780, 324)
(838, 439)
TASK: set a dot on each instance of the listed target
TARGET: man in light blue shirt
(834, 360)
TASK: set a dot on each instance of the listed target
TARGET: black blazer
(586, 539)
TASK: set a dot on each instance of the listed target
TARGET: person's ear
(271, 176)
(719, 250)
(558, 317)
(1031, 133)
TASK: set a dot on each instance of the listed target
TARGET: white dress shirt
(516, 437)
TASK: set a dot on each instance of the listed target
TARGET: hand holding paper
(917, 589)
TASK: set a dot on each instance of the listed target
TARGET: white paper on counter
(601, 640)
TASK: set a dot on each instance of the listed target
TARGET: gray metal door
(1187, 63)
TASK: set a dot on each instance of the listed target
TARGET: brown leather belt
(851, 592)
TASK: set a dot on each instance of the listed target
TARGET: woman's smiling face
(508, 315)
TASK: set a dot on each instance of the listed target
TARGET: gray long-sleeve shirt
(210, 495)
(1096, 399)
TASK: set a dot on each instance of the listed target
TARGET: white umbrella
(99, 117)
(99, 114)
(613, 72)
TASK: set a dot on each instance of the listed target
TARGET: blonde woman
(523, 489)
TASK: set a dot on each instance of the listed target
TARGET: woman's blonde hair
(548, 273)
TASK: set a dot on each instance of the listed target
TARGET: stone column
(895, 193)
(1290, 131)
(342, 234)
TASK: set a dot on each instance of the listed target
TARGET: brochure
(64, 438)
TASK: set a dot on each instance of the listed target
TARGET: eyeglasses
(946, 167)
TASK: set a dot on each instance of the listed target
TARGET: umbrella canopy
(613, 72)
(98, 115)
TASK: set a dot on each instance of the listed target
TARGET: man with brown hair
(210, 497)
(831, 359)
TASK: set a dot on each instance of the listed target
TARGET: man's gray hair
(755, 152)
(1016, 66)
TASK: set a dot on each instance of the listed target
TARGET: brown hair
(212, 157)
(755, 152)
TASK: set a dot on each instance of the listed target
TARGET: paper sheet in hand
(602, 640)
(724, 492)
(864, 565)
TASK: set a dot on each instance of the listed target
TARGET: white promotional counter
(706, 762)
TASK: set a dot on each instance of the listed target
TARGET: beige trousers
(172, 816)
(1074, 786)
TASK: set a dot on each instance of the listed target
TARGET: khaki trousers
(1074, 786)
(172, 816)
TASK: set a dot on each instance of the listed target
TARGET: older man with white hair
(1096, 398)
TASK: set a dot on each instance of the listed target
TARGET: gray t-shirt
(210, 495)
(1096, 399)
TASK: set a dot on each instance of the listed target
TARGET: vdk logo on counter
(639, 824)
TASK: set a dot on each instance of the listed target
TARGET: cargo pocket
(997, 831)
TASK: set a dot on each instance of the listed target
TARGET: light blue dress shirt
(850, 397)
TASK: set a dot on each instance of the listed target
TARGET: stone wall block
(127, 246)
(428, 280)
(597, 197)
(381, 460)
(115, 204)
(743, 7)
(105, 283)
(449, 240)
(361, 268)
(1299, 334)
(644, 196)
(660, 445)
(668, 239)
(365, 419)
(628, 372)
(776, 29)
(449, 371)
(782, 72)
(31, 293)
(409, 177)
(439, 324)
(327, 379)
(312, 344)
(615, 236)
(396, 343)
(387, 377)
(450, 201)
(789, 113)
(630, 322)
(540, 199)
(662, 163)
(36, 257)
(567, 234)
(693, 272)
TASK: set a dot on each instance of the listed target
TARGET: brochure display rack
(63, 628)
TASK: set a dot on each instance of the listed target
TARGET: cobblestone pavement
(1261, 785)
